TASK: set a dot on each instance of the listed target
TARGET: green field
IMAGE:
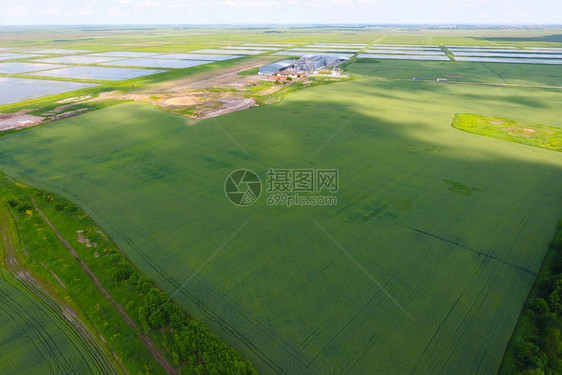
(449, 228)
(34, 339)
(537, 135)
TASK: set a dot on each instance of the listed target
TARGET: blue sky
(26, 12)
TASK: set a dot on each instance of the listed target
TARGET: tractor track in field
(64, 313)
(492, 276)
(159, 357)
(204, 309)
(478, 252)
(472, 83)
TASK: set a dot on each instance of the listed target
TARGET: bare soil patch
(211, 78)
(82, 239)
(181, 101)
(231, 104)
(18, 120)
(198, 96)
(204, 95)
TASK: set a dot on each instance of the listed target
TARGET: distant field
(22, 88)
(101, 44)
(511, 74)
(454, 226)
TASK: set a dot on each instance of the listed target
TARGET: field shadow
(414, 195)
(514, 99)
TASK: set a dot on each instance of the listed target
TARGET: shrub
(22, 207)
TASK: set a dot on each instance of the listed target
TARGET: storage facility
(276, 67)
(311, 63)
(300, 68)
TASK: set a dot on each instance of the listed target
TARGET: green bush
(540, 351)
(24, 206)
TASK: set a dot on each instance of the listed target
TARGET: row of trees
(539, 352)
(193, 348)
(191, 345)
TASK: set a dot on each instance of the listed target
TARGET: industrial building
(300, 68)
(276, 67)
(312, 63)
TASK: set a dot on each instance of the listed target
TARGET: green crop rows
(34, 340)
(449, 228)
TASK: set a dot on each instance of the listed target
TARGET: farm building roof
(277, 66)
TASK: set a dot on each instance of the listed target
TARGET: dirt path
(209, 78)
(65, 313)
(174, 95)
(144, 338)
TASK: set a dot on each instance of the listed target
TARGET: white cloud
(179, 4)
(18, 10)
(343, 2)
(149, 4)
(279, 11)
(113, 10)
(249, 3)
(87, 10)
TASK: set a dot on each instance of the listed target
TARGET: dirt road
(210, 78)
(64, 313)
(144, 338)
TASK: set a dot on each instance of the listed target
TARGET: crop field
(34, 340)
(510, 54)
(80, 59)
(320, 50)
(509, 60)
(405, 52)
(262, 49)
(402, 57)
(509, 74)
(125, 54)
(193, 56)
(22, 88)
(230, 51)
(422, 267)
(158, 63)
(60, 51)
(302, 53)
(96, 73)
(14, 56)
(21, 67)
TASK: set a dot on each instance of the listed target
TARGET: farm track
(474, 83)
(63, 314)
(209, 78)
(144, 338)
